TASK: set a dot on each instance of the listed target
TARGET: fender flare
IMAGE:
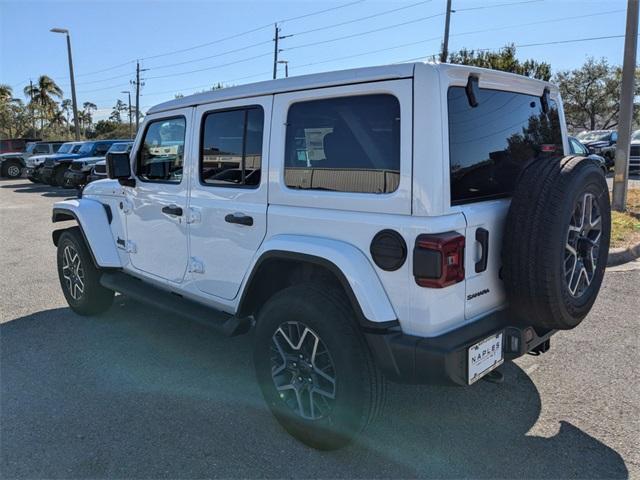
(350, 266)
(93, 218)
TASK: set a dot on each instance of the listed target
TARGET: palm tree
(6, 92)
(42, 95)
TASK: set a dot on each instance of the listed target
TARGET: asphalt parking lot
(138, 393)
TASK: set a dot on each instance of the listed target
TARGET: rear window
(345, 144)
(489, 144)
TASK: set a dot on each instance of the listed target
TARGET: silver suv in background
(634, 154)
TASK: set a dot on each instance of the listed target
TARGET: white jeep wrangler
(417, 222)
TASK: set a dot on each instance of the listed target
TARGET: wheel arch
(93, 220)
(290, 260)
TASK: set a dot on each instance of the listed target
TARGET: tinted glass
(75, 148)
(489, 144)
(160, 157)
(577, 147)
(231, 152)
(41, 149)
(86, 148)
(101, 149)
(120, 147)
(347, 144)
(56, 146)
(65, 148)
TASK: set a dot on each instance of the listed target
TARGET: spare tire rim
(583, 244)
(303, 371)
(72, 272)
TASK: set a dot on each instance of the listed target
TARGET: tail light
(438, 260)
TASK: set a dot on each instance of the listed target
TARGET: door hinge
(130, 247)
(193, 215)
(196, 265)
(126, 206)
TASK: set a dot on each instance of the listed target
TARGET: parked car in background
(34, 164)
(79, 169)
(601, 142)
(634, 154)
(99, 170)
(577, 148)
(54, 168)
(16, 145)
(13, 163)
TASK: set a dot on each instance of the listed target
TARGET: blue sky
(108, 34)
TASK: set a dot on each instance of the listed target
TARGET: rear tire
(556, 242)
(322, 414)
(79, 277)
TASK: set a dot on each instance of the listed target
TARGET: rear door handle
(482, 237)
(239, 218)
(172, 210)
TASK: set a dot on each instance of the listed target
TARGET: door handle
(172, 210)
(482, 237)
(239, 218)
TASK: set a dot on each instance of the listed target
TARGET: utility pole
(621, 168)
(445, 43)
(138, 84)
(73, 82)
(276, 50)
(128, 92)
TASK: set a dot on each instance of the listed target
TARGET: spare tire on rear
(556, 241)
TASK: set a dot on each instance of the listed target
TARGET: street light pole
(128, 92)
(621, 167)
(73, 82)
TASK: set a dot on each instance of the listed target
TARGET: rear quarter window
(489, 144)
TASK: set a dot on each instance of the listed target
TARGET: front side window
(231, 147)
(86, 148)
(345, 144)
(489, 144)
(160, 157)
(101, 149)
(41, 148)
(75, 148)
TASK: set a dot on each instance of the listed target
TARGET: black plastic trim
(63, 214)
(366, 324)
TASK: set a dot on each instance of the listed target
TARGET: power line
(210, 68)
(388, 27)
(210, 56)
(556, 42)
(247, 32)
(496, 5)
(386, 12)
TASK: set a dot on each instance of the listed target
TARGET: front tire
(79, 277)
(11, 169)
(314, 367)
(58, 177)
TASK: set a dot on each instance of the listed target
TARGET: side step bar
(143, 292)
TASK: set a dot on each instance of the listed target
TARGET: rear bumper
(443, 359)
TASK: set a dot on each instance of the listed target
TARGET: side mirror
(119, 168)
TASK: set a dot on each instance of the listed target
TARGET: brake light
(438, 259)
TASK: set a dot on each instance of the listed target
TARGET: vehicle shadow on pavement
(138, 393)
(45, 190)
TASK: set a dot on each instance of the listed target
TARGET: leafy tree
(119, 108)
(591, 95)
(504, 60)
(110, 129)
(66, 106)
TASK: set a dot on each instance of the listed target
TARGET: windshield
(595, 136)
(65, 148)
(86, 148)
(120, 147)
(635, 136)
(30, 147)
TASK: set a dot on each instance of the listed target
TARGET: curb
(618, 256)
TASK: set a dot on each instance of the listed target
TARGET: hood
(105, 187)
(598, 143)
(63, 156)
(11, 154)
(87, 159)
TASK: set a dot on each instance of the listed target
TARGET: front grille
(49, 162)
(76, 166)
(635, 151)
(100, 169)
